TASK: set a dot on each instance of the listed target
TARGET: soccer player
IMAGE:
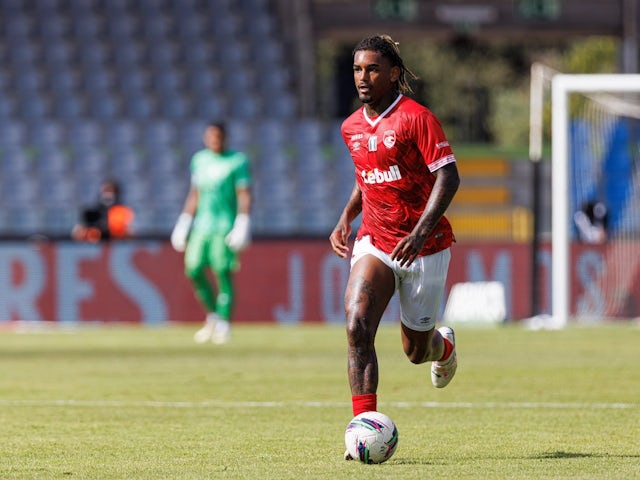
(406, 177)
(214, 227)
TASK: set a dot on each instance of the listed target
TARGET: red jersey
(395, 155)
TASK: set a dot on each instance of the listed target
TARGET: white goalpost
(617, 107)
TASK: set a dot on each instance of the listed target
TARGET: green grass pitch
(125, 402)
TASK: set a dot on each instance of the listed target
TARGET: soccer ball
(371, 437)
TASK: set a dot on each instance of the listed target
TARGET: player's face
(374, 77)
(214, 139)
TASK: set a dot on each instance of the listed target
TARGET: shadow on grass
(561, 454)
(413, 461)
(557, 455)
(552, 455)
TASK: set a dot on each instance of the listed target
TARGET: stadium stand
(119, 88)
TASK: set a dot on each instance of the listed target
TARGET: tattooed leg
(370, 287)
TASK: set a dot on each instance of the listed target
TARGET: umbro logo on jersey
(381, 176)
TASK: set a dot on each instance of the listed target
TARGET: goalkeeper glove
(240, 235)
(181, 232)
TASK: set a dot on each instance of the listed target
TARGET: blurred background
(95, 89)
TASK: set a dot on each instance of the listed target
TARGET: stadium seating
(91, 89)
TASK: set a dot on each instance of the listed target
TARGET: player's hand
(407, 250)
(181, 232)
(240, 235)
(339, 240)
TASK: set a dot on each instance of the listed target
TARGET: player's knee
(360, 331)
(194, 274)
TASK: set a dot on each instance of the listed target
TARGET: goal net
(596, 197)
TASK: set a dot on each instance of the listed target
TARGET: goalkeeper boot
(222, 332)
(206, 332)
(443, 371)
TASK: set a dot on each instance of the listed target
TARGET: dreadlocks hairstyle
(388, 48)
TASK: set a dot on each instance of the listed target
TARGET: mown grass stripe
(232, 404)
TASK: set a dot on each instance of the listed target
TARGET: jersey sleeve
(432, 142)
(243, 172)
(192, 168)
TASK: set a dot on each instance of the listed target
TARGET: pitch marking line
(231, 404)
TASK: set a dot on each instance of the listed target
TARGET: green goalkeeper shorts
(208, 250)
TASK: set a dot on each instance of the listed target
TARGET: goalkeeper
(214, 227)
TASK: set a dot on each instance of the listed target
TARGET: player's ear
(395, 74)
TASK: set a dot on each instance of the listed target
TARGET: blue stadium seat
(63, 81)
(8, 107)
(121, 26)
(160, 132)
(24, 219)
(58, 190)
(12, 7)
(189, 26)
(19, 29)
(128, 163)
(84, 132)
(49, 134)
(281, 106)
(28, 80)
(58, 219)
(34, 106)
(247, 106)
(168, 82)
(104, 105)
(198, 56)
(123, 133)
(134, 81)
(203, 82)
(12, 133)
(140, 107)
(47, 7)
(68, 107)
(20, 189)
(87, 26)
(211, 106)
(98, 80)
(15, 162)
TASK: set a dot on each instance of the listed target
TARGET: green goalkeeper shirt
(216, 178)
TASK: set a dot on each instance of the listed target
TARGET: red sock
(448, 348)
(364, 403)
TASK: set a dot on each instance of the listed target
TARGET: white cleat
(206, 332)
(222, 332)
(443, 372)
(347, 455)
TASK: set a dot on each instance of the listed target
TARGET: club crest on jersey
(389, 138)
(381, 176)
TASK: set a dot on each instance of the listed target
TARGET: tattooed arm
(444, 189)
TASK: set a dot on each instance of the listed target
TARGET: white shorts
(420, 285)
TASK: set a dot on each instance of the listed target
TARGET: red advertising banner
(284, 281)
